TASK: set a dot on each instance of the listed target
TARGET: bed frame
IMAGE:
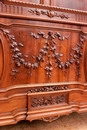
(43, 60)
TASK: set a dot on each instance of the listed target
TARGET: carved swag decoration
(48, 13)
(45, 101)
(49, 51)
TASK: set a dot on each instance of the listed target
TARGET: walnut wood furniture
(43, 59)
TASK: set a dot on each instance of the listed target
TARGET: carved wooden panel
(41, 101)
(45, 52)
(43, 66)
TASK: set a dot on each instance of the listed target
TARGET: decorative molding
(45, 101)
(39, 26)
(55, 112)
(13, 117)
(27, 86)
(48, 89)
(28, 4)
(48, 13)
(16, 9)
(49, 51)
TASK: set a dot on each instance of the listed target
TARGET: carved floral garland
(44, 101)
(18, 58)
(48, 89)
(48, 13)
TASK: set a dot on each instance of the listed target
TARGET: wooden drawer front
(46, 99)
(43, 105)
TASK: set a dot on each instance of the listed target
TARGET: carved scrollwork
(49, 51)
(50, 119)
(45, 101)
(48, 13)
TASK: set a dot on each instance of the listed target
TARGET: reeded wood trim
(43, 19)
(20, 10)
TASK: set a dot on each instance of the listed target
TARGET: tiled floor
(72, 122)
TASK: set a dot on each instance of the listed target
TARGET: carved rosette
(48, 51)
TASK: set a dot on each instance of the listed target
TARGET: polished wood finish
(43, 64)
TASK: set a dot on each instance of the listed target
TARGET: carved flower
(53, 48)
(14, 44)
(40, 58)
(43, 52)
(35, 65)
(29, 65)
(67, 64)
(37, 12)
(19, 54)
(18, 64)
(50, 14)
(22, 61)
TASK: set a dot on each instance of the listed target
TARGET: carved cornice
(51, 13)
(28, 4)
